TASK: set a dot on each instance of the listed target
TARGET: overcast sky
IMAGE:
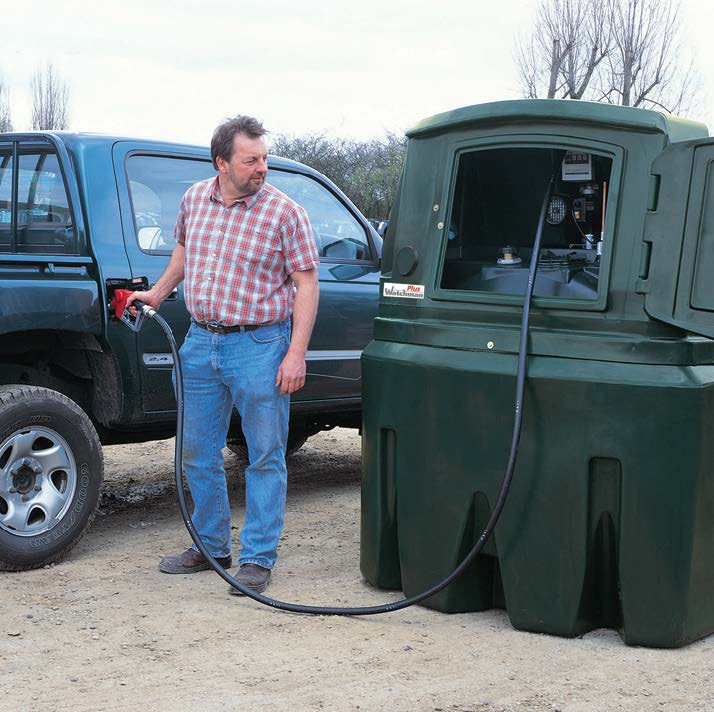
(173, 70)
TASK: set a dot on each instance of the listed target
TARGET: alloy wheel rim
(38, 479)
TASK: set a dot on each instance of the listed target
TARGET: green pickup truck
(80, 216)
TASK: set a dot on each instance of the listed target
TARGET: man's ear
(222, 165)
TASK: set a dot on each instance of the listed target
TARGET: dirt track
(105, 630)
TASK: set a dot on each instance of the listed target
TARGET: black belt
(220, 329)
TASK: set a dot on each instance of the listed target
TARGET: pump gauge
(557, 210)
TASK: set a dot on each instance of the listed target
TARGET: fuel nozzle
(121, 311)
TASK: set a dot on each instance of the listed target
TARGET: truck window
(5, 198)
(156, 186)
(494, 214)
(157, 183)
(44, 218)
(338, 234)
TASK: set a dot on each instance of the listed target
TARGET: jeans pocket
(267, 334)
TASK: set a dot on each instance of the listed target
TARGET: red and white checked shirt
(239, 257)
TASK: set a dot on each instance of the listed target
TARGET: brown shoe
(189, 562)
(252, 576)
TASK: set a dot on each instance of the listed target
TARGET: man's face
(245, 172)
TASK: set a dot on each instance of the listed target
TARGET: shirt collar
(249, 200)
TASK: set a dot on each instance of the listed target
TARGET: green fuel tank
(610, 518)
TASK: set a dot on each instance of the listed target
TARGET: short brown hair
(222, 141)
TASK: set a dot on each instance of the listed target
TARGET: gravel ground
(104, 630)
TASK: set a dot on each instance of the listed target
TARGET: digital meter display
(577, 166)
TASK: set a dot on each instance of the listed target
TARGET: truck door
(679, 236)
(150, 184)
(349, 278)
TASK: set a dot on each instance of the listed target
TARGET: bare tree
(642, 68)
(50, 100)
(618, 51)
(569, 41)
(5, 120)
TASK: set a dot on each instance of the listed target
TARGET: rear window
(42, 211)
(5, 197)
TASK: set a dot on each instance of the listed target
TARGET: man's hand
(171, 277)
(148, 297)
(291, 373)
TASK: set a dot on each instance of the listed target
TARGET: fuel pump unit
(610, 518)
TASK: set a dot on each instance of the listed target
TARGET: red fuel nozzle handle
(118, 302)
(121, 311)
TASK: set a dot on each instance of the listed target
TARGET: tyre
(237, 445)
(51, 469)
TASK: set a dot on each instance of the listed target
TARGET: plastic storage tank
(610, 518)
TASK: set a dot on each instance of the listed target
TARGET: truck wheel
(51, 469)
(237, 445)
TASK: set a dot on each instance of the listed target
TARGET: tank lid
(562, 110)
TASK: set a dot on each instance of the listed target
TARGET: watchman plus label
(406, 291)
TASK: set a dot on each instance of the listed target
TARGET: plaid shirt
(239, 257)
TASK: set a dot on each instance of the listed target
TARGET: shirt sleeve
(180, 228)
(299, 248)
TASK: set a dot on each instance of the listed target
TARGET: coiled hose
(495, 514)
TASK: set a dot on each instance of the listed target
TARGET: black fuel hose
(495, 514)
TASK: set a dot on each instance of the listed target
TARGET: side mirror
(149, 237)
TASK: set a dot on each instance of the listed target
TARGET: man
(249, 260)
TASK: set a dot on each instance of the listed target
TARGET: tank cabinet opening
(494, 213)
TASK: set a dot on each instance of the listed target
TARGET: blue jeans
(220, 371)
